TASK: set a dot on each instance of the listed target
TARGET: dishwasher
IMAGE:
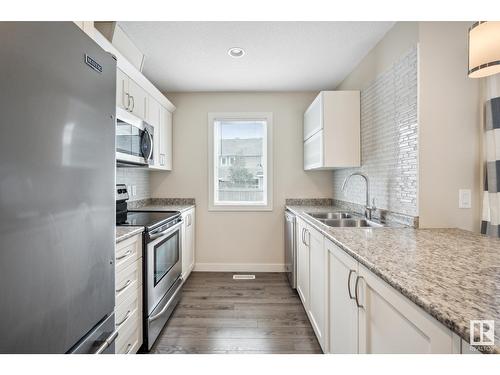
(290, 251)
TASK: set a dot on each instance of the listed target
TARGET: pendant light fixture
(484, 49)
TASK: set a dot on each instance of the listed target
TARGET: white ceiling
(280, 56)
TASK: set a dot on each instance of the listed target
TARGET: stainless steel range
(162, 246)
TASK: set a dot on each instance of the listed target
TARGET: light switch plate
(464, 198)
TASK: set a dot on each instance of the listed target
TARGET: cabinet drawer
(127, 281)
(128, 333)
(128, 319)
(130, 343)
(127, 252)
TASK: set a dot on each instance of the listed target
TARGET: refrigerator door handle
(107, 343)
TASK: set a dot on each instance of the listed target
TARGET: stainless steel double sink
(344, 219)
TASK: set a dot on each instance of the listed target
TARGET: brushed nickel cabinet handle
(125, 94)
(349, 283)
(125, 318)
(128, 252)
(125, 286)
(133, 103)
(356, 291)
(129, 348)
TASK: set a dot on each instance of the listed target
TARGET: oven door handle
(165, 232)
(167, 305)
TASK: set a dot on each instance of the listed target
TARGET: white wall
(246, 241)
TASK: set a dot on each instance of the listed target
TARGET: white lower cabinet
(390, 323)
(354, 311)
(128, 295)
(318, 297)
(343, 310)
(302, 263)
(188, 242)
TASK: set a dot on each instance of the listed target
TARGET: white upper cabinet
(130, 96)
(137, 95)
(332, 131)
(154, 119)
(167, 136)
(313, 117)
(313, 151)
(122, 98)
(138, 99)
(162, 137)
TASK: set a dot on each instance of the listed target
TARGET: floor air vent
(243, 277)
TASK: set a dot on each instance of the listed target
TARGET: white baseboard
(239, 267)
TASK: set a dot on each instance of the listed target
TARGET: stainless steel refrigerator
(57, 178)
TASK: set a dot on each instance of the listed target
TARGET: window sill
(224, 208)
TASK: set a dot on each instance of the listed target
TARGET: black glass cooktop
(148, 219)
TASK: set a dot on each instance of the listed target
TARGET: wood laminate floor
(217, 314)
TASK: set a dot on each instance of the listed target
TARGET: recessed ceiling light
(236, 52)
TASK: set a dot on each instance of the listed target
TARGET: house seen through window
(240, 162)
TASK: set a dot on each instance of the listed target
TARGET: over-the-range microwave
(134, 139)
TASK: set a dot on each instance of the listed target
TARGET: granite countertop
(159, 207)
(122, 233)
(452, 274)
(163, 204)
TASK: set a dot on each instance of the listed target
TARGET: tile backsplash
(389, 140)
(137, 177)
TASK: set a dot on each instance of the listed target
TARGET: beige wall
(450, 130)
(397, 41)
(250, 241)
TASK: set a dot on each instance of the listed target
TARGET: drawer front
(127, 252)
(126, 309)
(130, 343)
(128, 319)
(128, 334)
(128, 281)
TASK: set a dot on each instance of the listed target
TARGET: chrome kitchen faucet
(368, 209)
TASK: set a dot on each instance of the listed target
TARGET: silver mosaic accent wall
(389, 140)
(137, 177)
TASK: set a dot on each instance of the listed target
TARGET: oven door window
(166, 255)
(129, 138)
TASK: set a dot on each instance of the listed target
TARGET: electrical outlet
(134, 190)
(464, 198)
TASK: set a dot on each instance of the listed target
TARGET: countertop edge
(424, 305)
(159, 207)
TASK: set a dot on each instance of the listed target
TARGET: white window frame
(267, 168)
